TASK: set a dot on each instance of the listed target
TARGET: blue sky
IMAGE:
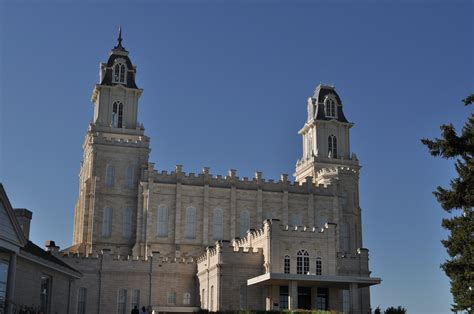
(225, 85)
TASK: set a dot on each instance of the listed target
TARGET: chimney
(23, 216)
(51, 246)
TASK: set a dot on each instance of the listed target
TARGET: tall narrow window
(203, 298)
(127, 223)
(117, 114)
(332, 146)
(296, 220)
(345, 237)
(211, 303)
(243, 297)
(107, 222)
(330, 107)
(162, 221)
(187, 298)
(122, 301)
(119, 73)
(109, 175)
(287, 264)
(45, 293)
(302, 262)
(171, 297)
(244, 222)
(346, 301)
(190, 223)
(130, 177)
(218, 224)
(319, 266)
(135, 298)
(81, 300)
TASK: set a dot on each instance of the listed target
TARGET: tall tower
(328, 160)
(115, 151)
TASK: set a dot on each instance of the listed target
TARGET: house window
(3, 284)
(187, 298)
(162, 221)
(171, 297)
(109, 175)
(330, 108)
(244, 222)
(45, 293)
(117, 114)
(122, 301)
(319, 266)
(127, 223)
(107, 222)
(302, 262)
(81, 300)
(119, 73)
(332, 146)
(346, 301)
(135, 298)
(287, 265)
(130, 177)
(190, 223)
(218, 224)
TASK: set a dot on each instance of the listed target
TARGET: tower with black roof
(115, 152)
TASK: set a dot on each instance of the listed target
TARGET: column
(293, 295)
(354, 295)
(11, 283)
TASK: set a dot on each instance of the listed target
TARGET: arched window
(296, 220)
(107, 222)
(190, 223)
(127, 223)
(330, 108)
(286, 266)
(162, 221)
(130, 177)
(117, 114)
(119, 73)
(345, 237)
(302, 262)
(218, 224)
(244, 222)
(319, 266)
(109, 175)
(187, 298)
(332, 146)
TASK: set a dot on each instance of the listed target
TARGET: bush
(393, 310)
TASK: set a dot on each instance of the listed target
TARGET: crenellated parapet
(232, 180)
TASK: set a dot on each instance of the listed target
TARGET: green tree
(460, 197)
(395, 310)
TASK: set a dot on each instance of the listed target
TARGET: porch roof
(341, 282)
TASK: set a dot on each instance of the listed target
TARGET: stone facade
(140, 229)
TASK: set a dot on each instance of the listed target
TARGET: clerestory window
(119, 73)
(332, 146)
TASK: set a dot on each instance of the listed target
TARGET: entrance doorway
(304, 298)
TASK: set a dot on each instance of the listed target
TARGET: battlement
(128, 258)
(232, 180)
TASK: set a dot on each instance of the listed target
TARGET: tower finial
(119, 40)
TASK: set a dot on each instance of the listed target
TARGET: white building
(179, 242)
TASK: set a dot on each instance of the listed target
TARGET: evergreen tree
(460, 197)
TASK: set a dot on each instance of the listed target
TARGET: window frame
(190, 226)
(127, 218)
(302, 262)
(119, 73)
(287, 264)
(218, 224)
(332, 146)
(81, 300)
(162, 221)
(122, 301)
(107, 217)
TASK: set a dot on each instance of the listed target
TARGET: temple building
(180, 242)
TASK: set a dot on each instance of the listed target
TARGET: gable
(11, 236)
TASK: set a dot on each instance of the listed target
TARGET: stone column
(354, 295)
(293, 295)
(11, 283)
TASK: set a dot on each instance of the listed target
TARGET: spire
(119, 40)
